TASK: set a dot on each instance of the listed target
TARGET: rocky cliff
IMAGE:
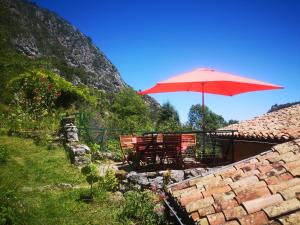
(40, 34)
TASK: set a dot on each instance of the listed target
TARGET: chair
(172, 148)
(188, 141)
(127, 144)
(147, 148)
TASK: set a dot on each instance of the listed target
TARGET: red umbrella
(210, 81)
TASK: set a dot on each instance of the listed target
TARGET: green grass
(23, 177)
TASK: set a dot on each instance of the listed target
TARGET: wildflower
(154, 186)
(159, 209)
(162, 195)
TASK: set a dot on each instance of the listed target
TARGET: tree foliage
(129, 112)
(212, 120)
(168, 118)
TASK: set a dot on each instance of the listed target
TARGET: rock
(81, 160)
(157, 183)
(151, 174)
(177, 175)
(64, 186)
(137, 178)
(71, 133)
(103, 155)
(78, 153)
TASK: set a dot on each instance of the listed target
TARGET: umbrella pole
(203, 121)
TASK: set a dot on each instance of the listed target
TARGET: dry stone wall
(77, 151)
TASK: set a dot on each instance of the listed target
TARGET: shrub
(3, 154)
(141, 208)
(129, 112)
(91, 175)
(108, 182)
(113, 146)
(8, 215)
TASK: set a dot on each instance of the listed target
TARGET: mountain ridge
(38, 33)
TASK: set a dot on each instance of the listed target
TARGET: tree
(231, 121)
(129, 112)
(212, 120)
(168, 118)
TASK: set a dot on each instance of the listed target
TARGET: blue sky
(152, 40)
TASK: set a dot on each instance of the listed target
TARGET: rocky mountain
(38, 34)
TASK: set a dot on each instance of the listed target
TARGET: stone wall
(77, 152)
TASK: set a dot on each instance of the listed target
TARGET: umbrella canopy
(210, 81)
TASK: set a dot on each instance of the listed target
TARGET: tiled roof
(283, 124)
(263, 189)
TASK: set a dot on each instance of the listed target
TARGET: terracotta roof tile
(283, 124)
(286, 157)
(216, 219)
(262, 202)
(282, 208)
(177, 193)
(272, 222)
(295, 171)
(223, 205)
(195, 216)
(252, 194)
(188, 192)
(202, 179)
(278, 178)
(193, 196)
(232, 222)
(293, 218)
(194, 206)
(291, 165)
(224, 196)
(262, 157)
(285, 147)
(216, 190)
(206, 211)
(179, 187)
(290, 192)
(277, 169)
(203, 221)
(259, 184)
(258, 218)
(264, 188)
(234, 213)
(244, 182)
(283, 185)
(227, 173)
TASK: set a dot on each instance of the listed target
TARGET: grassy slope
(31, 166)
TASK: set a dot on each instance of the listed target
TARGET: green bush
(91, 175)
(3, 154)
(129, 112)
(113, 146)
(141, 208)
(108, 182)
(8, 199)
